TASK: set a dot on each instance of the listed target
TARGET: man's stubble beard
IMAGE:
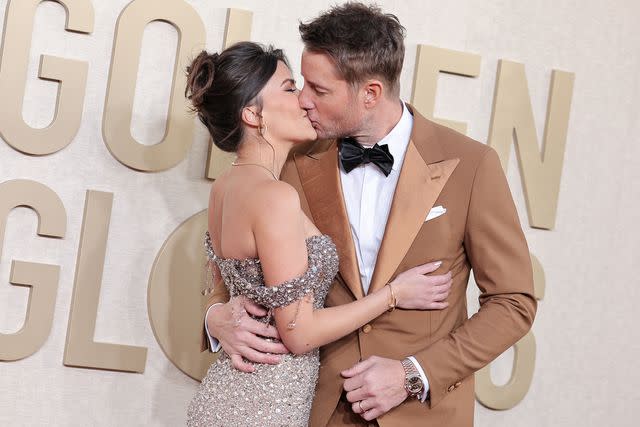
(347, 128)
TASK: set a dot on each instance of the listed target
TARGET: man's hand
(241, 336)
(375, 386)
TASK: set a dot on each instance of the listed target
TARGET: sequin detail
(273, 395)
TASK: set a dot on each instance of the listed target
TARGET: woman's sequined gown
(273, 395)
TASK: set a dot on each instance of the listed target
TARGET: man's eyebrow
(287, 81)
(316, 85)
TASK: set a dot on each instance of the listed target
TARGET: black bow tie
(352, 155)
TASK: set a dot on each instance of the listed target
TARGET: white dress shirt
(368, 195)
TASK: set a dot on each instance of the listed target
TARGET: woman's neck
(260, 151)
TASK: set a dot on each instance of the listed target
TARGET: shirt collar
(398, 138)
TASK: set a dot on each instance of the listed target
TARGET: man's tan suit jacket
(480, 230)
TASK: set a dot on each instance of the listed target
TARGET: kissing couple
(342, 239)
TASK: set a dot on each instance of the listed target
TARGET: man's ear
(373, 92)
(251, 117)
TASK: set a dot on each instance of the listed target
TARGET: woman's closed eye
(289, 85)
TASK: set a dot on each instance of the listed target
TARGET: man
(395, 190)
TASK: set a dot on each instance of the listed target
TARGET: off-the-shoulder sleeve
(288, 292)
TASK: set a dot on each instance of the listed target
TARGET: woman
(264, 245)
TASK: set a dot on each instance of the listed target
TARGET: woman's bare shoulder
(277, 195)
(276, 208)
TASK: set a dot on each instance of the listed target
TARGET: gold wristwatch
(412, 379)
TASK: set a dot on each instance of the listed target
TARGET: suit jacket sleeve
(497, 251)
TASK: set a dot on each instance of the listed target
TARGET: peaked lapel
(320, 178)
(423, 175)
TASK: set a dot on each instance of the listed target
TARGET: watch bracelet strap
(410, 369)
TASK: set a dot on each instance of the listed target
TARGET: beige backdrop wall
(586, 369)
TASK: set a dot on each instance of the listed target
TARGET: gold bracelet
(393, 301)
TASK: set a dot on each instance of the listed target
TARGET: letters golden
(41, 278)
(430, 62)
(238, 29)
(512, 119)
(71, 75)
(176, 322)
(80, 349)
(118, 107)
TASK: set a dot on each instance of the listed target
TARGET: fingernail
(438, 264)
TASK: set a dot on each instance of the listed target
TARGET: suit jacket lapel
(423, 175)
(320, 178)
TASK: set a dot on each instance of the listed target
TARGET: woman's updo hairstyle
(220, 86)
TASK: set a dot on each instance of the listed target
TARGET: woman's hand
(416, 290)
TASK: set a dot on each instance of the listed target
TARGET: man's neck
(381, 121)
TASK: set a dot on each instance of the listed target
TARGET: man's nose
(304, 100)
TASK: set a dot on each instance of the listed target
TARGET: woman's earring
(263, 128)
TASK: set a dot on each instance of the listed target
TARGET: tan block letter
(512, 121)
(116, 126)
(71, 74)
(430, 62)
(42, 279)
(80, 349)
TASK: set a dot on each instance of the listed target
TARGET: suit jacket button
(451, 388)
(366, 328)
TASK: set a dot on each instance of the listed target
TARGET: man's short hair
(363, 42)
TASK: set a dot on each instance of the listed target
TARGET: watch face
(414, 384)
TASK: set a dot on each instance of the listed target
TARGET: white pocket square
(435, 212)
